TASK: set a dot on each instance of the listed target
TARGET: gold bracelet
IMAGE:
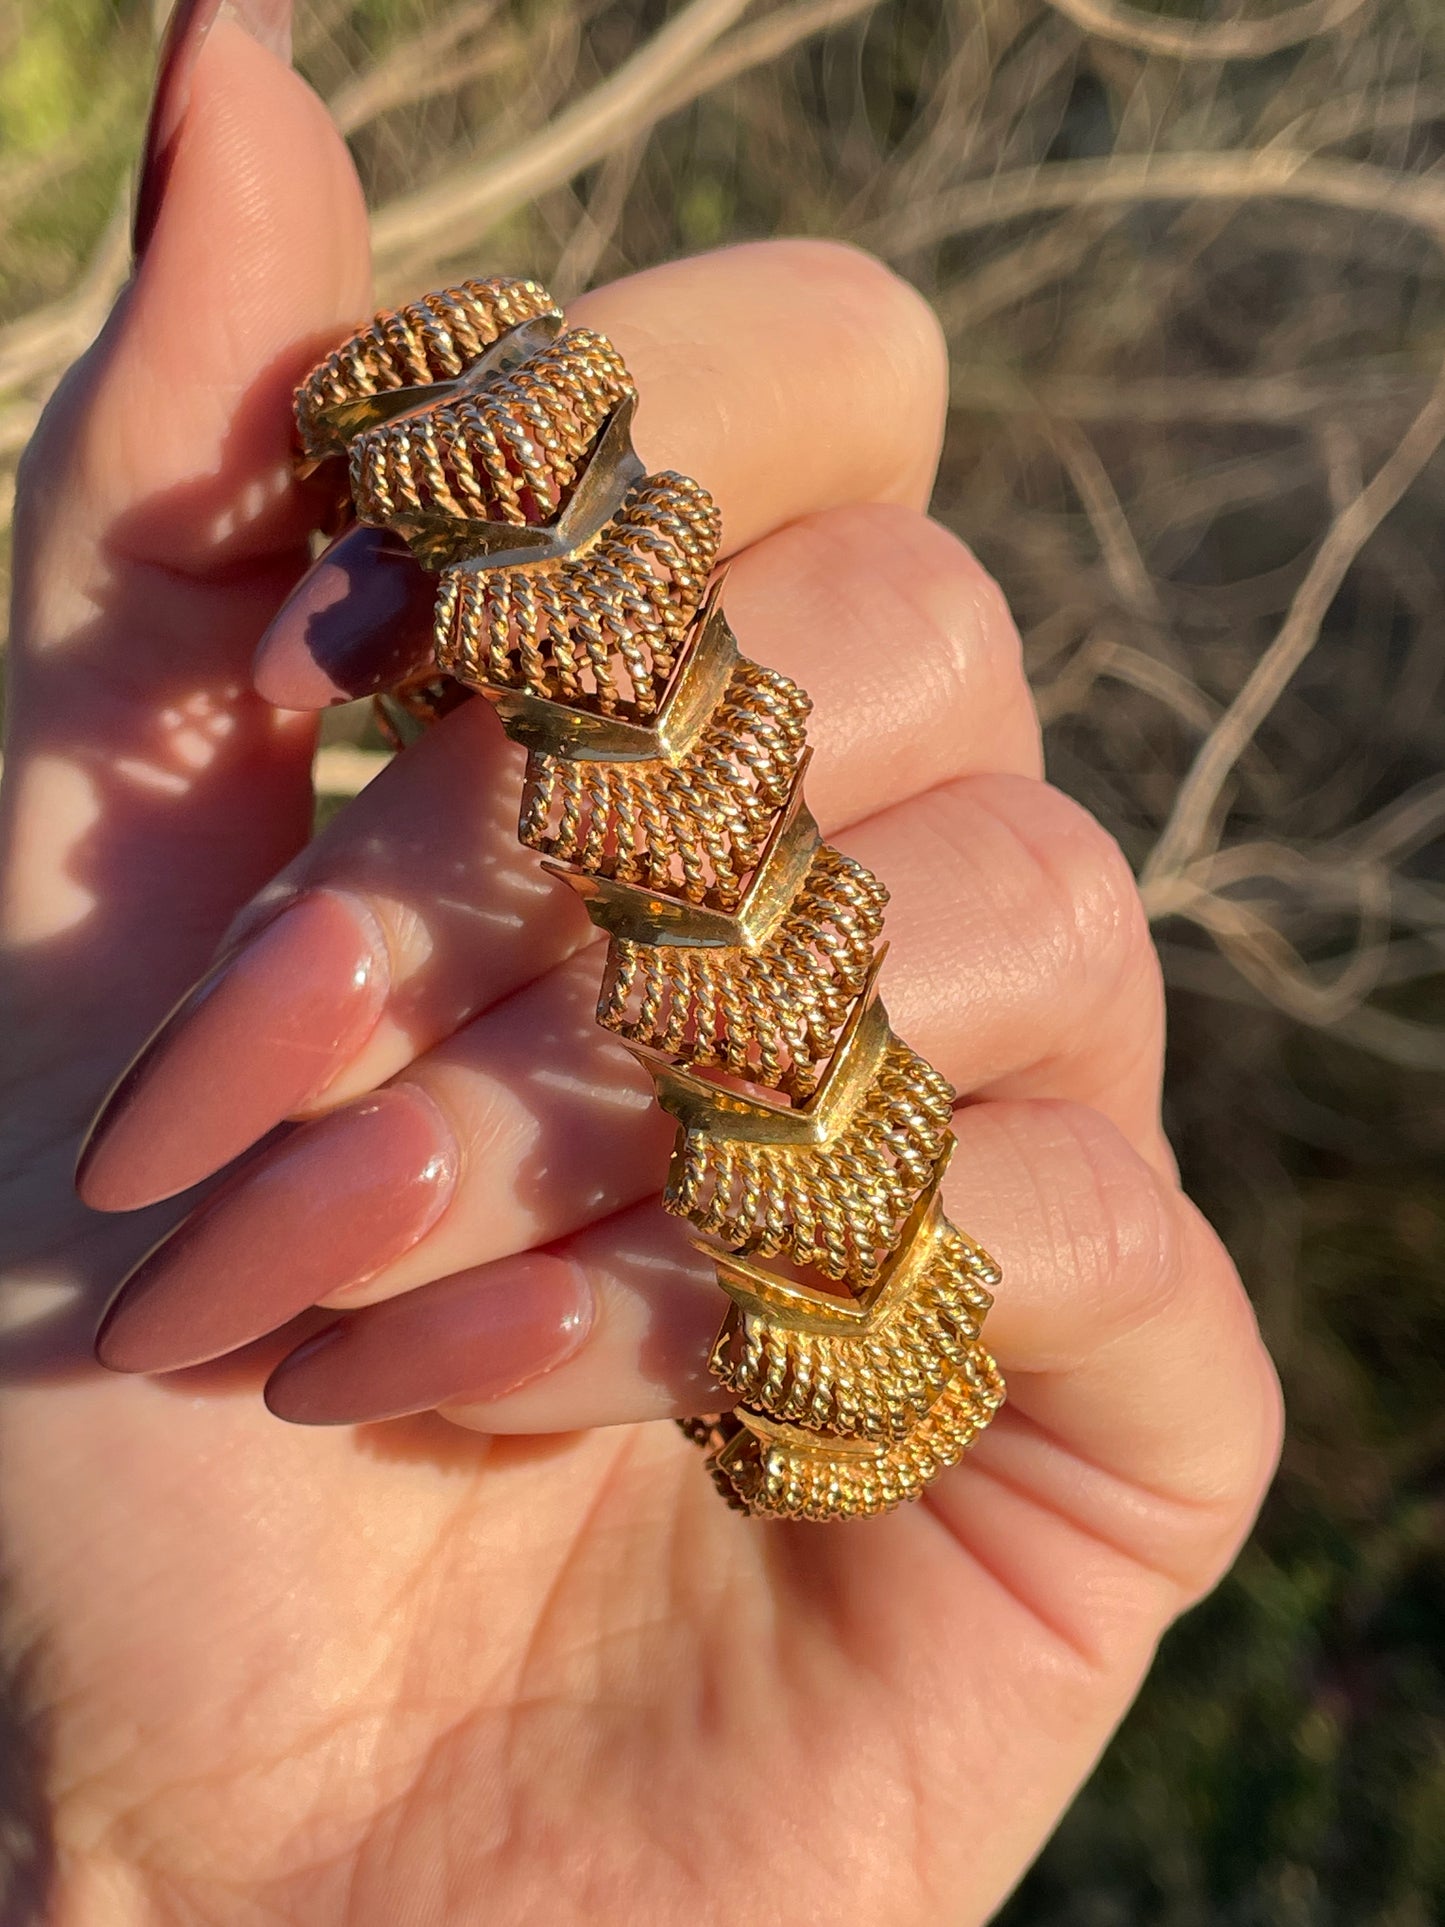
(664, 782)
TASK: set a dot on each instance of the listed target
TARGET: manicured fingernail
(330, 1206)
(473, 1337)
(268, 21)
(358, 621)
(263, 1033)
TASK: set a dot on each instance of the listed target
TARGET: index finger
(788, 377)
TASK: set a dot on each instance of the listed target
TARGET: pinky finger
(609, 1326)
(1130, 1346)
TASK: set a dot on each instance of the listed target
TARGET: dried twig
(1384, 393)
(43, 343)
(1352, 528)
(1126, 566)
(1102, 656)
(1353, 186)
(1207, 40)
(763, 41)
(446, 217)
(423, 66)
(598, 222)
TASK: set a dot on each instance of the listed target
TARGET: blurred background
(1190, 255)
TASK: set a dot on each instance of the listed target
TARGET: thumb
(174, 434)
(147, 791)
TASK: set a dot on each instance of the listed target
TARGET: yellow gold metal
(665, 784)
(871, 1365)
(791, 1471)
(697, 685)
(430, 341)
(594, 616)
(647, 917)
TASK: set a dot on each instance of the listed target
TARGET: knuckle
(1119, 1227)
(1230, 1479)
(1132, 1288)
(1143, 1260)
(898, 335)
(1069, 886)
(1096, 1221)
(905, 575)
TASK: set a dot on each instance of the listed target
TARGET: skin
(518, 1668)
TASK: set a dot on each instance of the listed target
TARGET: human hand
(405, 1673)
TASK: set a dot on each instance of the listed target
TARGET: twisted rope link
(431, 340)
(508, 452)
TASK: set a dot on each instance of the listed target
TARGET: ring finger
(1024, 968)
(1119, 1304)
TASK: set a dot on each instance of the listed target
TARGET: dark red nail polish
(358, 621)
(268, 21)
(332, 1205)
(473, 1337)
(261, 1035)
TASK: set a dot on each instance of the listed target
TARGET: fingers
(1140, 1396)
(147, 791)
(492, 1330)
(186, 33)
(788, 377)
(1022, 965)
(1143, 1420)
(1143, 1404)
(387, 1167)
(453, 916)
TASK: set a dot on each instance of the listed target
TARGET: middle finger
(419, 894)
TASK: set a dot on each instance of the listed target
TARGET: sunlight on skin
(146, 776)
(253, 508)
(494, 916)
(27, 1302)
(658, 1341)
(613, 1096)
(197, 728)
(194, 734)
(56, 806)
(428, 954)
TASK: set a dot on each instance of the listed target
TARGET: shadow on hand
(174, 796)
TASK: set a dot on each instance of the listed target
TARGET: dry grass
(1189, 257)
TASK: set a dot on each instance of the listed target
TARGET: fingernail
(473, 1337)
(330, 1206)
(358, 621)
(268, 21)
(261, 1035)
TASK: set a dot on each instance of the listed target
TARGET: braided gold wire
(790, 1472)
(429, 341)
(507, 452)
(696, 825)
(771, 1014)
(880, 1380)
(664, 782)
(836, 1205)
(602, 628)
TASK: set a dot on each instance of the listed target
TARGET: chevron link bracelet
(664, 782)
